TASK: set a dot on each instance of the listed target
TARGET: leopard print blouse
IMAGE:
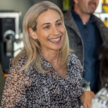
(48, 90)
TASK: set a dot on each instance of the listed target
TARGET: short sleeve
(77, 69)
(80, 70)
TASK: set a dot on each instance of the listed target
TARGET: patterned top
(48, 90)
(101, 99)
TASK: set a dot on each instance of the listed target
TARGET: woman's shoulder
(20, 62)
(72, 57)
(72, 54)
(74, 62)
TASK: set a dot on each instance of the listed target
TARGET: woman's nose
(55, 30)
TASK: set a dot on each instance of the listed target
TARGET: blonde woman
(45, 74)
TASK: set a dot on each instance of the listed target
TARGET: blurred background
(11, 17)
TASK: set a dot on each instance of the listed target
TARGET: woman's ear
(32, 33)
(76, 1)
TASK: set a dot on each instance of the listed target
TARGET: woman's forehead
(48, 16)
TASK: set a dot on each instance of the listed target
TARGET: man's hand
(86, 99)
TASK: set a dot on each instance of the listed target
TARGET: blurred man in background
(86, 33)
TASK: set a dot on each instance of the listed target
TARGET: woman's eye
(46, 27)
(59, 24)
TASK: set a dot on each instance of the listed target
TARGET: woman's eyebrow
(45, 24)
(49, 23)
(58, 20)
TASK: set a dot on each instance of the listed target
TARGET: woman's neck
(51, 56)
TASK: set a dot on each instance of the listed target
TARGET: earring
(32, 33)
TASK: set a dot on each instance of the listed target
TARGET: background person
(101, 98)
(45, 73)
(86, 33)
(2, 82)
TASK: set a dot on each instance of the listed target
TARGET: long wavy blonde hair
(31, 46)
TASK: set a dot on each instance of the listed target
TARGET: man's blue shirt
(91, 40)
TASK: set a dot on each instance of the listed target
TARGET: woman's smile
(55, 40)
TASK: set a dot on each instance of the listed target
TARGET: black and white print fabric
(48, 90)
(101, 99)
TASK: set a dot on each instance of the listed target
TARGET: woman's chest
(47, 92)
(50, 92)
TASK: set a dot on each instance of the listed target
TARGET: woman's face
(50, 30)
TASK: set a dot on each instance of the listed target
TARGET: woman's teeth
(55, 40)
